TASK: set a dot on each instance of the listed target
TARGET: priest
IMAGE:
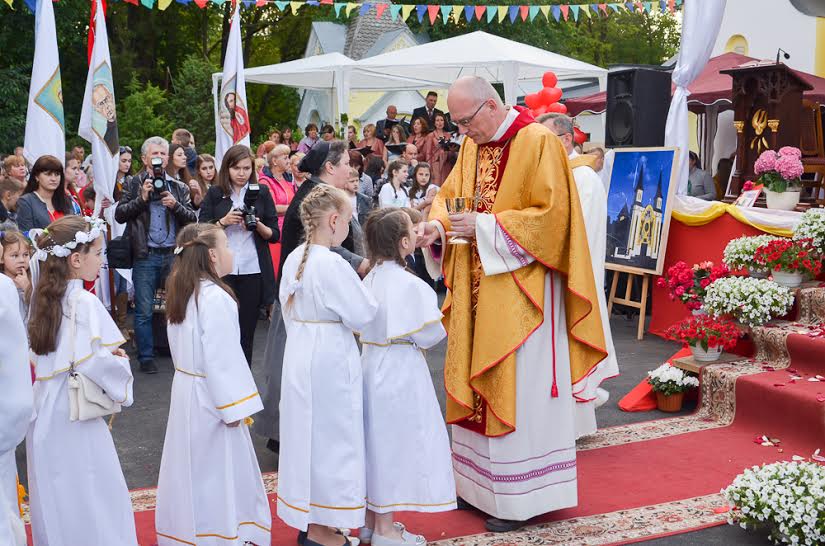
(593, 200)
(522, 309)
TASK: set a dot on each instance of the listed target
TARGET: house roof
(364, 32)
(331, 36)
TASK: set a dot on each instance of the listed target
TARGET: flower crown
(63, 251)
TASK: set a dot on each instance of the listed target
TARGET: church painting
(639, 203)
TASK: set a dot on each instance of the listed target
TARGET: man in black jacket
(153, 217)
(428, 111)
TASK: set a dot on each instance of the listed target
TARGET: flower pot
(670, 403)
(757, 273)
(789, 280)
(701, 355)
(786, 200)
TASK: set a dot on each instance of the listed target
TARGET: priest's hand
(463, 225)
(426, 234)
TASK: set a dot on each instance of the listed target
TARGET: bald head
(476, 108)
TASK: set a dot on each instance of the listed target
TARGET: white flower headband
(63, 251)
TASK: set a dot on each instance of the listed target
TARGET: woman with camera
(436, 149)
(245, 209)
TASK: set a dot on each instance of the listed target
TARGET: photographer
(154, 207)
(246, 211)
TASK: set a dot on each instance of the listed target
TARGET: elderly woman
(15, 167)
(373, 142)
(274, 175)
(700, 183)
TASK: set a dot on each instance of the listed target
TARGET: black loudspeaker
(637, 103)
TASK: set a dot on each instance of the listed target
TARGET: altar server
(409, 463)
(321, 465)
(210, 490)
(77, 491)
(15, 408)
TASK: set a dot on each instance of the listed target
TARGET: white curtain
(700, 26)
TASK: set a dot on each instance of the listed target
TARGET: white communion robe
(321, 470)
(15, 408)
(210, 490)
(409, 465)
(76, 487)
(593, 201)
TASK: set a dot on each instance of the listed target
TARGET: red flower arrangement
(705, 331)
(688, 284)
(790, 256)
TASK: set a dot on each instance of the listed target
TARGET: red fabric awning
(710, 87)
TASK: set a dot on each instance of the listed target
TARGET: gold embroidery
(242, 400)
(448, 503)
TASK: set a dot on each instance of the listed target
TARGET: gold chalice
(458, 205)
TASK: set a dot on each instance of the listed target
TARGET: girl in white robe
(321, 475)
(210, 490)
(77, 491)
(409, 462)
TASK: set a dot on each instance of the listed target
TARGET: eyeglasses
(125, 150)
(466, 122)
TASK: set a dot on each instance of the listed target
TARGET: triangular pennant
(258, 3)
(648, 6)
(565, 11)
(364, 9)
(546, 11)
(585, 12)
(10, 3)
(379, 10)
(457, 13)
(281, 4)
(512, 11)
(534, 10)
(615, 7)
(595, 7)
(350, 6)
(200, 3)
(406, 10)
(603, 8)
(246, 3)
(432, 12)
(216, 2)
(629, 6)
(163, 4)
(32, 5)
(663, 5)
(491, 13)
(575, 10)
(479, 11)
(315, 2)
(445, 13)
(524, 11)
(468, 13)
(678, 3)
(394, 11)
(502, 12)
(338, 6)
(148, 3)
(557, 13)
(295, 7)
(420, 10)
(184, 2)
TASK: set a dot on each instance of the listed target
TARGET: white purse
(86, 399)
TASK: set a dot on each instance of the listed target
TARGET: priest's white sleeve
(228, 378)
(498, 252)
(434, 254)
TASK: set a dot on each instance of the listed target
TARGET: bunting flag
(232, 126)
(98, 119)
(45, 129)
(447, 14)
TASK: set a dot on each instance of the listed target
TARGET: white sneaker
(365, 535)
(407, 539)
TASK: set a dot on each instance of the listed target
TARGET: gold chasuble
(583, 160)
(525, 180)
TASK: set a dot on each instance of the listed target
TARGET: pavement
(139, 431)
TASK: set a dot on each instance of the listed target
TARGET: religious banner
(45, 130)
(233, 120)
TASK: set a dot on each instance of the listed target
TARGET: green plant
(143, 114)
(668, 380)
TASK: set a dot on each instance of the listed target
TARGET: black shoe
(302, 535)
(496, 525)
(461, 504)
(274, 446)
(148, 367)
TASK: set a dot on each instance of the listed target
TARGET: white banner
(45, 129)
(232, 123)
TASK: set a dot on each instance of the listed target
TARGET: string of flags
(448, 14)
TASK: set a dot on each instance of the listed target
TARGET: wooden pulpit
(767, 104)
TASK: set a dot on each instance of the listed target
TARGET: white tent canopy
(491, 57)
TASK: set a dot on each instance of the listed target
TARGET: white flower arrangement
(788, 497)
(668, 380)
(739, 254)
(812, 226)
(97, 225)
(750, 301)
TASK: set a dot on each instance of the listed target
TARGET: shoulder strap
(72, 327)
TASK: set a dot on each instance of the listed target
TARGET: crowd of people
(321, 236)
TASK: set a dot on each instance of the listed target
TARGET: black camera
(158, 178)
(249, 213)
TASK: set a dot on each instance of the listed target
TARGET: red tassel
(554, 392)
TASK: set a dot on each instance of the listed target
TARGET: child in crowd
(409, 463)
(392, 193)
(321, 466)
(422, 192)
(210, 482)
(14, 263)
(76, 487)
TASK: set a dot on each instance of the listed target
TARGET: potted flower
(739, 254)
(779, 172)
(688, 284)
(786, 497)
(670, 384)
(749, 301)
(789, 260)
(706, 336)
(812, 226)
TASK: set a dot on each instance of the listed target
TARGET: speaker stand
(627, 300)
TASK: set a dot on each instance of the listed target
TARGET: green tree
(190, 105)
(143, 114)
(14, 92)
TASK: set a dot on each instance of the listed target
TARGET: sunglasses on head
(125, 150)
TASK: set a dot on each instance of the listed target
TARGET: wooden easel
(627, 300)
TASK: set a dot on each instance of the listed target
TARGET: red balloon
(539, 111)
(557, 108)
(579, 136)
(532, 101)
(549, 79)
(549, 95)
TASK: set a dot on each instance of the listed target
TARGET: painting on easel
(639, 203)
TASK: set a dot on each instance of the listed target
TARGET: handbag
(87, 400)
(119, 251)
